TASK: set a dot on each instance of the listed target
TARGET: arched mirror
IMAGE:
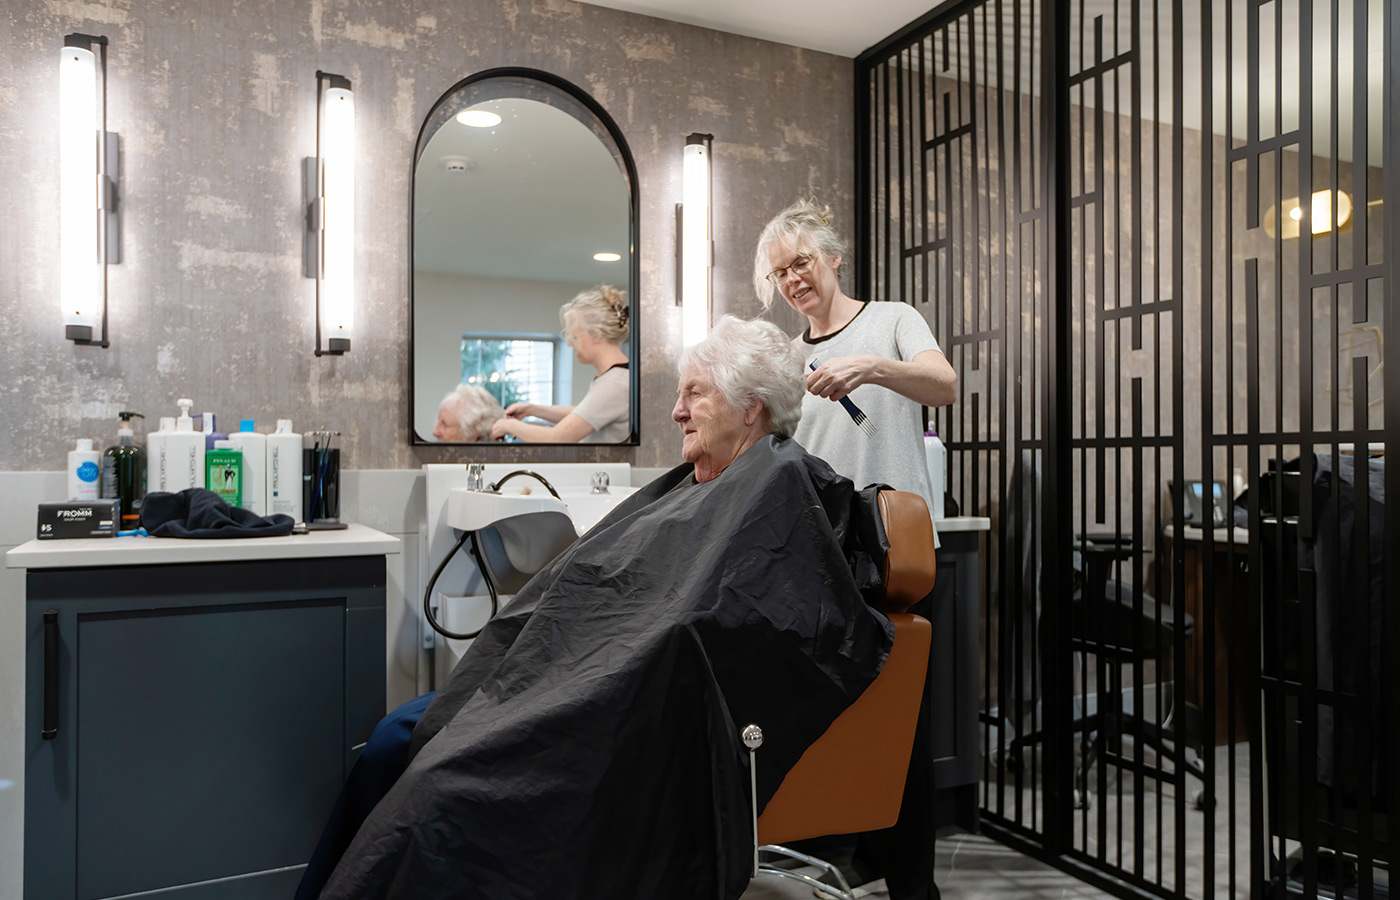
(524, 196)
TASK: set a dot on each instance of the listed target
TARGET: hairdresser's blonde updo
(601, 312)
(803, 227)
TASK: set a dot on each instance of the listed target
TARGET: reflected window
(517, 368)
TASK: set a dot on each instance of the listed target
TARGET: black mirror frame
(548, 82)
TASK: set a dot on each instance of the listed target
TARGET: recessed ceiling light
(607, 257)
(478, 118)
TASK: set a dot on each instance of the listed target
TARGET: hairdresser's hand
(502, 427)
(840, 375)
(520, 411)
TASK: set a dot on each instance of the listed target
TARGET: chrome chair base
(839, 889)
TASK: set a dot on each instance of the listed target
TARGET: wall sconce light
(88, 161)
(328, 186)
(1320, 215)
(696, 248)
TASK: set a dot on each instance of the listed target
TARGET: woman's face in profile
(447, 428)
(582, 343)
(712, 431)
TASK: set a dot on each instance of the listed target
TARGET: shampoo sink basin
(534, 525)
(586, 509)
(474, 510)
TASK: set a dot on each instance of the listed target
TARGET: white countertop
(356, 540)
(963, 523)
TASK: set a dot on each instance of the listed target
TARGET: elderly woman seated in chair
(587, 744)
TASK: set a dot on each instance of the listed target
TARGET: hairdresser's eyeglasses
(799, 267)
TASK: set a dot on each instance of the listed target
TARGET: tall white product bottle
(184, 452)
(284, 472)
(254, 447)
(84, 471)
(937, 457)
(158, 456)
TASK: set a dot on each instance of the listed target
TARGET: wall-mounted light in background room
(88, 161)
(329, 190)
(696, 247)
(1320, 215)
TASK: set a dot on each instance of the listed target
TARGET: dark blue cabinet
(954, 664)
(202, 720)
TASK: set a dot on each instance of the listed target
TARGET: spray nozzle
(127, 415)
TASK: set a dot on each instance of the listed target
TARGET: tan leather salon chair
(866, 750)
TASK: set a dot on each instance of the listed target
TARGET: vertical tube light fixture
(697, 248)
(330, 188)
(87, 215)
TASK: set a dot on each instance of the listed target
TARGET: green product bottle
(223, 472)
(124, 473)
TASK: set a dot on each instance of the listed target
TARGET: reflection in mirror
(523, 198)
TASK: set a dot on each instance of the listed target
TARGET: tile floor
(975, 867)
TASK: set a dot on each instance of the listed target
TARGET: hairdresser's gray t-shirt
(607, 408)
(895, 456)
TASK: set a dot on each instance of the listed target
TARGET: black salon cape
(587, 746)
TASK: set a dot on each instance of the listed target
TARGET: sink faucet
(476, 477)
(496, 488)
(600, 483)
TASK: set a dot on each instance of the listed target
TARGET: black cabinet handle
(50, 675)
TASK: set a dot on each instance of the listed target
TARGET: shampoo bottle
(937, 457)
(254, 447)
(184, 451)
(284, 471)
(124, 474)
(223, 472)
(211, 431)
(158, 455)
(84, 471)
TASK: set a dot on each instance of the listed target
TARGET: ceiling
(831, 26)
(531, 198)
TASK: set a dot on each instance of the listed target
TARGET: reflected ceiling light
(696, 247)
(329, 188)
(478, 118)
(607, 257)
(87, 195)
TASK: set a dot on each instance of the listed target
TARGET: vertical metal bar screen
(1150, 236)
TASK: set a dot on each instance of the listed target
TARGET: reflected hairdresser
(596, 323)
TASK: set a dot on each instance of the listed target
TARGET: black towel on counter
(200, 513)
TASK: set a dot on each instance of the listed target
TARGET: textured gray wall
(215, 105)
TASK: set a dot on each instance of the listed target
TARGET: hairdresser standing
(870, 367)
(880, 358)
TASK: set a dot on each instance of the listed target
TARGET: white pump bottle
(284, 471)
(158, 455)
(184, 451)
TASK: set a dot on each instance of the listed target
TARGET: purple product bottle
(211, 434)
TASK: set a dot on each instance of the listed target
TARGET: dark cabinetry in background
(954, 664)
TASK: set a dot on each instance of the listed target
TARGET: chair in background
(865, 753)
(1106, 623)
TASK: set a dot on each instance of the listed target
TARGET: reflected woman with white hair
(466, 414)
(596, 323)
(724, 591)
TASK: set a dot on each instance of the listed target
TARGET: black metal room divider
(1150, 235)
